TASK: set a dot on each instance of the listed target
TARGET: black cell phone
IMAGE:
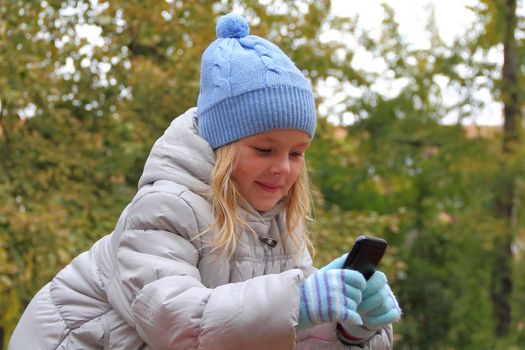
(365, 255)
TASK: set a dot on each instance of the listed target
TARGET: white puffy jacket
(154, 284)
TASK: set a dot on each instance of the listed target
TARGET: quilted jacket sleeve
(172, 309)
(323, 337)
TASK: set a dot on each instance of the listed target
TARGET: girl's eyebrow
(278, 140)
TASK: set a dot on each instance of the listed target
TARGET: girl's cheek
(295, 175)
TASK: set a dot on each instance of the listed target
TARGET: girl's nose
(281, 166)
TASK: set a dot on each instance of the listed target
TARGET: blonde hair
(226, 199)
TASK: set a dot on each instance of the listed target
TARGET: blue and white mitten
(331, 295)
(378, 309)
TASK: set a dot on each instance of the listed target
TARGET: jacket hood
(181, 155)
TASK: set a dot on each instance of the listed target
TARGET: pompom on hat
(248, 85)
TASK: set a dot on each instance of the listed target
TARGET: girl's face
(268, 165)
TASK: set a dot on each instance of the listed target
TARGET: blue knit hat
(248, 85)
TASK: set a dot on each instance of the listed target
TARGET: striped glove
(331, 295)
(335, 264)
(378, 309)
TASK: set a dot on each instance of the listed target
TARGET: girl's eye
(263, 150)
(296, 154)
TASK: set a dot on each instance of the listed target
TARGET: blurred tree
(501, 26)
(434, 183)
(63, 160)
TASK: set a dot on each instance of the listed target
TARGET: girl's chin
(263, 209)
(264, 206)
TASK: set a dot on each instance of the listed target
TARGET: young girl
(211, 253)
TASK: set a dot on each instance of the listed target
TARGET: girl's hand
(335, 264)
(331, 295)
(378, 309)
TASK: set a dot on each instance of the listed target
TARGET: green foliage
(438, 186)
(62, 165)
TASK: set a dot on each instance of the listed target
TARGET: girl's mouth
(268, 187)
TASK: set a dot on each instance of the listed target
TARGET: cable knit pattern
(248, 85)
